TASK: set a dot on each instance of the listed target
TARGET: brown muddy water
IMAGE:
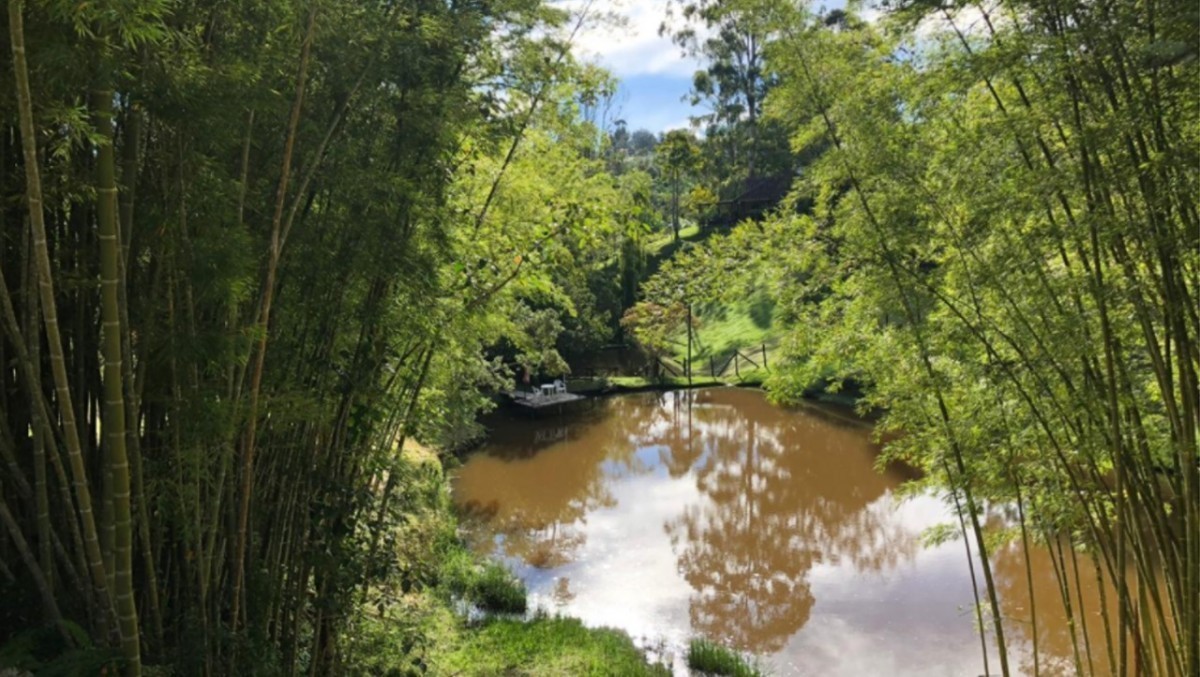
(713, 513)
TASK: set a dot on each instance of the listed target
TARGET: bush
(43, 651)
(712, 658)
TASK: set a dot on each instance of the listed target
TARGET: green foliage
(997, 205)
(397, 641)
(722, 329)
(711, 658)
(678, 153)
(731, 38)
(699, 203)
(414, 193)
(662, 245)
(496, 589)
(762, 310)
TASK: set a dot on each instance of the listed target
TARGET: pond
(713, 513)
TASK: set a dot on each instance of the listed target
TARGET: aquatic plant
(713, 659)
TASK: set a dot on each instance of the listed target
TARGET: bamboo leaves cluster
(1003, 252)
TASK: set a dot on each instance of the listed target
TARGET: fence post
(688, 366)
(737, 373)
(712, 367)
(764, 351)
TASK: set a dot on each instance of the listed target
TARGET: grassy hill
(724, 329)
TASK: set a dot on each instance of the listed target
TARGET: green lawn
(744, 327)
(634, 383)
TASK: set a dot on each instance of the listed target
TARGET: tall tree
(731, 38)
(678, 154)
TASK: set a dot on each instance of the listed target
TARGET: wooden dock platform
(536, 401)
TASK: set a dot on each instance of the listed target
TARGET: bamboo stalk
(33, 196)
(114, 388)
(264, 321)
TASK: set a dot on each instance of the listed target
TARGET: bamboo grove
(245, 249)
(1004, 252)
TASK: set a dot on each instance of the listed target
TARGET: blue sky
(653, 101)
(654, 75)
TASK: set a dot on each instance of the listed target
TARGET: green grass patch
(637, 383)
(489, 586)
(713, 659)
(586, 385)
(656, 246)
(546, 646)
(750, 377)
(724, 329)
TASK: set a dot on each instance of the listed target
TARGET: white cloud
(969, 21)
(635, 47)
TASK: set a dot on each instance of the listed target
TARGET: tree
(731, 37)
(677, 154)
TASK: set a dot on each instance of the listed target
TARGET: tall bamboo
(33, 197)
(264, 322)
(114, 389)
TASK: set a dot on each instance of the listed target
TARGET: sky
(655, 77)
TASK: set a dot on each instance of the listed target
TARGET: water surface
(714, 513)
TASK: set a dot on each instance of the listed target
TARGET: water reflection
(785, 493)
(712, 512)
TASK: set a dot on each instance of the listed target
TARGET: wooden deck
(542, 401)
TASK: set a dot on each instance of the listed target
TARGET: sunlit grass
(723, 329)
(632, 383)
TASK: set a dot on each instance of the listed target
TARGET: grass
(749, 377)
(489, 586)
(636, 383)
(418, 454)
(546, 646)
(724, 329)
(632, 384)
(587, 385)
(713, 659)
